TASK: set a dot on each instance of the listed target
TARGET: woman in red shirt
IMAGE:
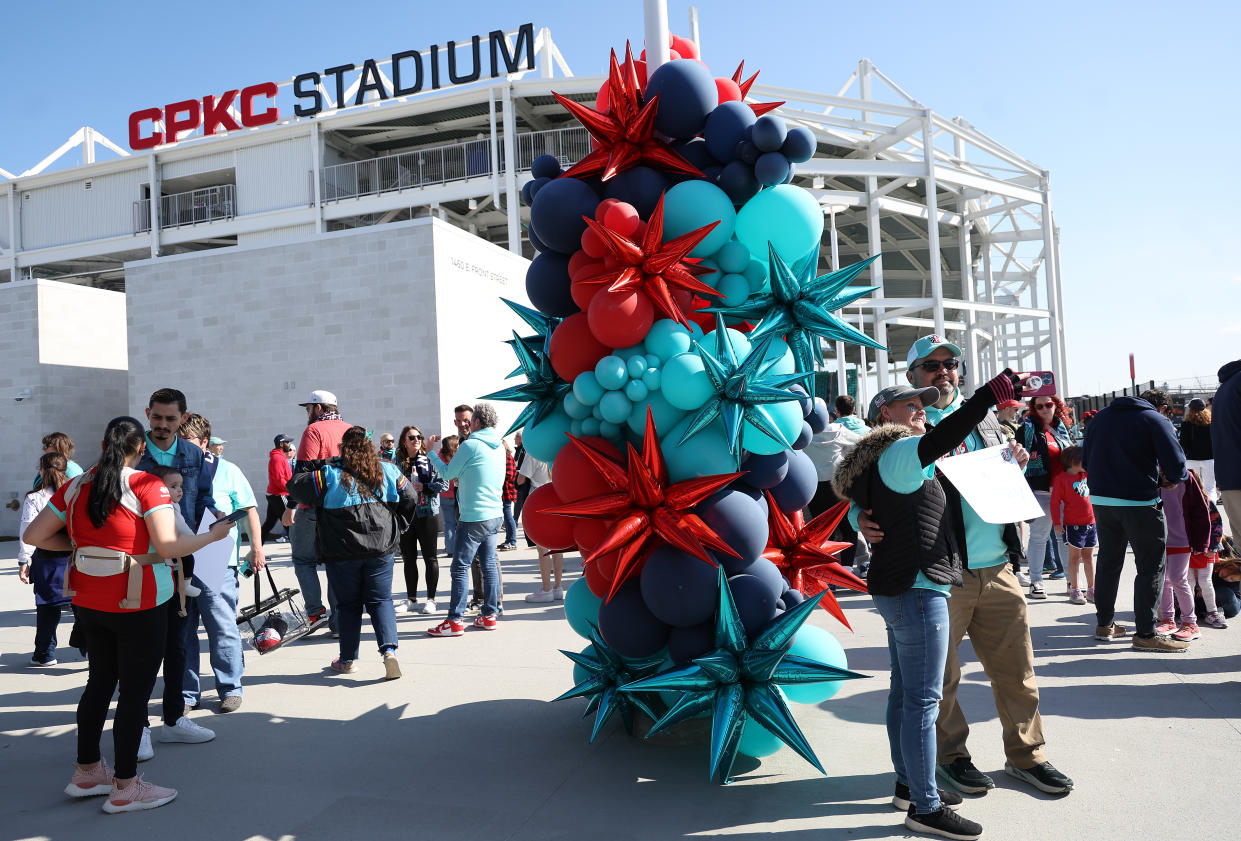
(115, 508)
(1044, 434)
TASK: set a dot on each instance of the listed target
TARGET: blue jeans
(917, 623)
(448, 507)
(474, 538)
(306, 563)
(218, 612)
(358, 582)
(1040, 534)
(46, 618)
(510, 524)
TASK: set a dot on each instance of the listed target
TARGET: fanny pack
(100, 562)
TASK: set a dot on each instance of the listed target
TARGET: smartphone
(234, 517)
(1040, 384)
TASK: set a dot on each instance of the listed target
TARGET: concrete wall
(401, 321)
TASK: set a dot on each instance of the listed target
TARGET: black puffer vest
(918, 532)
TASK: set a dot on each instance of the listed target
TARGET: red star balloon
(759, 108)
(806, 554)
(652, 265)
(644, 510)
(626, 133)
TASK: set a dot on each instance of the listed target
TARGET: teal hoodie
(854, 424)
(478, 468)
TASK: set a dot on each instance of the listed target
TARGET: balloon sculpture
(677, 323)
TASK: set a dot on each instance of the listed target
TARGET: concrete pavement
(468, 744)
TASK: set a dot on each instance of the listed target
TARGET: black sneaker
(964, 777)
(900, 800)
(945, 823)
(1043, 776)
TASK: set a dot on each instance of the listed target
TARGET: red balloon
(620, 318)
(593, 244)
(551, 531)
(583, 293)
(728, 90)
(576, 479)
(603, 208)
(574, 348)
(603, 101)
(684, 46)
(579, 259)
(588, 534)
(598, 583)
(621, 218)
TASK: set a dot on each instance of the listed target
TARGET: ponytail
(122, 438)
(52, 467)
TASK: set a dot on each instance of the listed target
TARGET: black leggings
(422, 533)
(275, 510)
(125, 649)
(174, 662)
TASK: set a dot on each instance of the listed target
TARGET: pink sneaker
(447, 628)
(92, 782)
(138, 795)
(1165, 626)
(485, 623)
(1187, 632)
(1215, 620)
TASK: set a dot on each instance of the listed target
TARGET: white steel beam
(316, 165)
(932, 228)
(155, 187)
(512, 201)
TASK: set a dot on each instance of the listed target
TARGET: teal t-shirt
(164, 458)
(902, 471)
(231, 491)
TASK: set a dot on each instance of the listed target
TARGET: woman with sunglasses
(423, 532)
(1044, 434)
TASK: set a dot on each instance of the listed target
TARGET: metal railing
(444, 164)
(180, 209)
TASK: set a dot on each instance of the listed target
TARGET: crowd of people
(116, 543)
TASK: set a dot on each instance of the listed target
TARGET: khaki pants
(1232, 510)
(991, 608)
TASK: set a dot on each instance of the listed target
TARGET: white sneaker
(425, 607)
(145, 751)
(192, 591)
(541, 596)
(405, 606)
(1023, 579)
(186, 731)
(558, 593)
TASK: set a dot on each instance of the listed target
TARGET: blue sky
(1131, 107)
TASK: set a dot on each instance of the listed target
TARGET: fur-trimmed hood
(866, 453)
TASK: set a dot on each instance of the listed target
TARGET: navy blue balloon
(803, 440)
(820, 417)
(696, 152)
(738, 181)
(788, 179)
(712, 173)
(737, 519)
(531, 190)
(679, 589)
(538, 244)
(798, 487)
(803, 398)
(545, 166)
(765, 471)
(768, 573)
(771, 168)
(684, 644)
(747, 152)
(726, 127)
(769, 133)
(753, 493)
(628, 627)
(640, 186)
(557, 211)
(687, 94)
(526, 195)
(799, 145)
(792, 598)
(547, 284)
(756, 604)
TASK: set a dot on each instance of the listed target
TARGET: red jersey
(1074, 493)
(125, 530)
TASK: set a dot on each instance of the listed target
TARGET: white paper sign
(993, 484)
(211, 561)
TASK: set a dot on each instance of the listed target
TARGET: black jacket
(1127, 445)
(1196, 441)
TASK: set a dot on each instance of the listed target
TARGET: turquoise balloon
(694, 204)
(787, 417)
(630, 352)
(665, 414)
(575, 428)
(590, 426)
(636, 365)
(785, 216)
(735, 289)
(666, 339)
(782, 355)
(586, 388)
(611, 372)
(705, 454)
(652, 379)
(544, 439)
(685, 382)
(580, 674)
(575, 408)
(615, 407)
(609, 430)
(756, 740)
(636, 391)
(740, 343)
(581, 608)
(756, 273)
(814, 643)
(733, 257)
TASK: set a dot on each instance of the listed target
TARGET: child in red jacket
(1076, 525)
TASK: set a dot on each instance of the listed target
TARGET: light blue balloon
(611, 373)
(586, 388)
(733, 257)
(609, 430)
(665, 414)
(787, 417)
(815, 643)
(787, 217)
(575, 428)
(652, 379)
(596, 412)
(756, 740)
(735, 289)
(581, 608)
(694, 204)
(636, 366)
(636, 391)
(666, 339)
(615, 407)
(685, 382)
(739, 341)
(704, 454)
(756, 273)
(779, 352)
(630, 352)
(575, 408)
(590, 426)
(544, 439)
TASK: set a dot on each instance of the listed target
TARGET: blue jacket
(1127, 444)
(197, 473)
(1226, 427)
(350, 526)
(1038, 471)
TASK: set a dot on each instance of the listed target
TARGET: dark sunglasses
(412, 437)
(1044, 405)
(932, 365)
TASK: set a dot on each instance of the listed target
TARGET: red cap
(1010, 404)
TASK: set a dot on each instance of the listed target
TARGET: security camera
(22, 395)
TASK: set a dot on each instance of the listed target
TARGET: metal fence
(179, 209)
(444, 164)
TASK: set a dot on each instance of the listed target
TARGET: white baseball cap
(320, 396)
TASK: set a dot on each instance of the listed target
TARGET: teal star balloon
(800, 307)
(608, 671)
(543, 387)
(740, 680)
(742, 388)
(543, 326)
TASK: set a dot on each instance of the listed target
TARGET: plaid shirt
(510, 478)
